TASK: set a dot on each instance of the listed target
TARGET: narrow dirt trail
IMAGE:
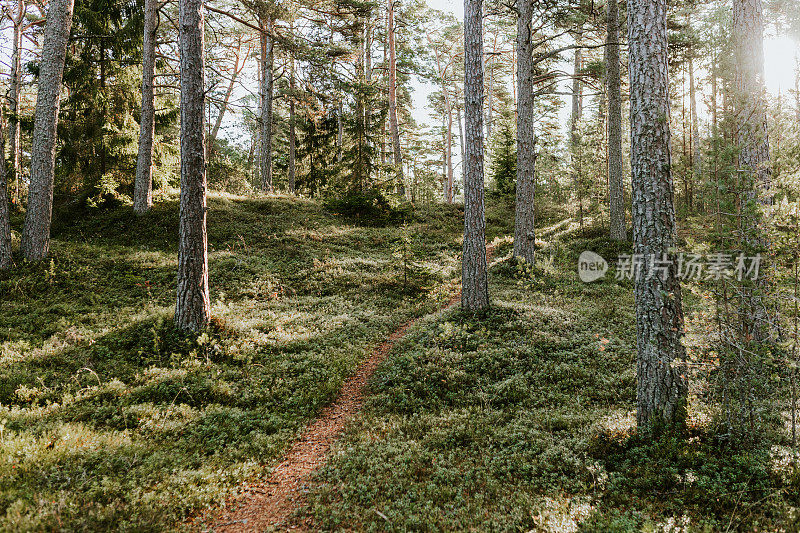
(269, 505)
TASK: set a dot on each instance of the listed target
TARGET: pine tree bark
(35, 242)
(394, 128)
(5, 214)
(266, 105)
(524, 237)
(474, 279)
(143, 184)
(192, 310)
(661, 376)
(615, 183)
(15, 90)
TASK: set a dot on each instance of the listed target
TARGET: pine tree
(35, 242)
(474, 281)
(192, 310)
(661, 376)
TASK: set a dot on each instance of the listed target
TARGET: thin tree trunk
(661, 375)
(697, 161)
(615, 184)
(448, 118)
(474, 279)
(524, 237)
(575, 120)
(15, 90)
(36, 231)
(292, 131)
(192, 310)
(266, 105)
(143, 184)
(228, 93)
(461, 141)
(394, 128)
(449, 150)
(5, 222)
(339, 131)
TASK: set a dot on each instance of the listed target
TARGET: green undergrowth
(110, 419)
(523, 420)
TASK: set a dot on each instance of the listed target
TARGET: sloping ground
(110, 420)
(523, 421)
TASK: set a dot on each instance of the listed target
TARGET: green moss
(113, 420)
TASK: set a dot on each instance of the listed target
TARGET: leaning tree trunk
(753, 144)
(661, 374)
(5, 222)
(192, 309)
(615, 183)
(36, 231)
(393, 122)
(143, 184)
(266, 105)
(524, 238)
(474, 279)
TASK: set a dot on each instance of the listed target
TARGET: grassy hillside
(521, 420)
(524, 421)
(109, 419)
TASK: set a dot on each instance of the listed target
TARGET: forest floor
(518, 420)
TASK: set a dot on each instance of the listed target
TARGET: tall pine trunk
(615, 184)
(5, 221)
(15, 89)
(474, 279)
(394, 128)
(524, 238)
(661, 376)
(143, 184)
(266, 104)
(192, 310)
(36, 231)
